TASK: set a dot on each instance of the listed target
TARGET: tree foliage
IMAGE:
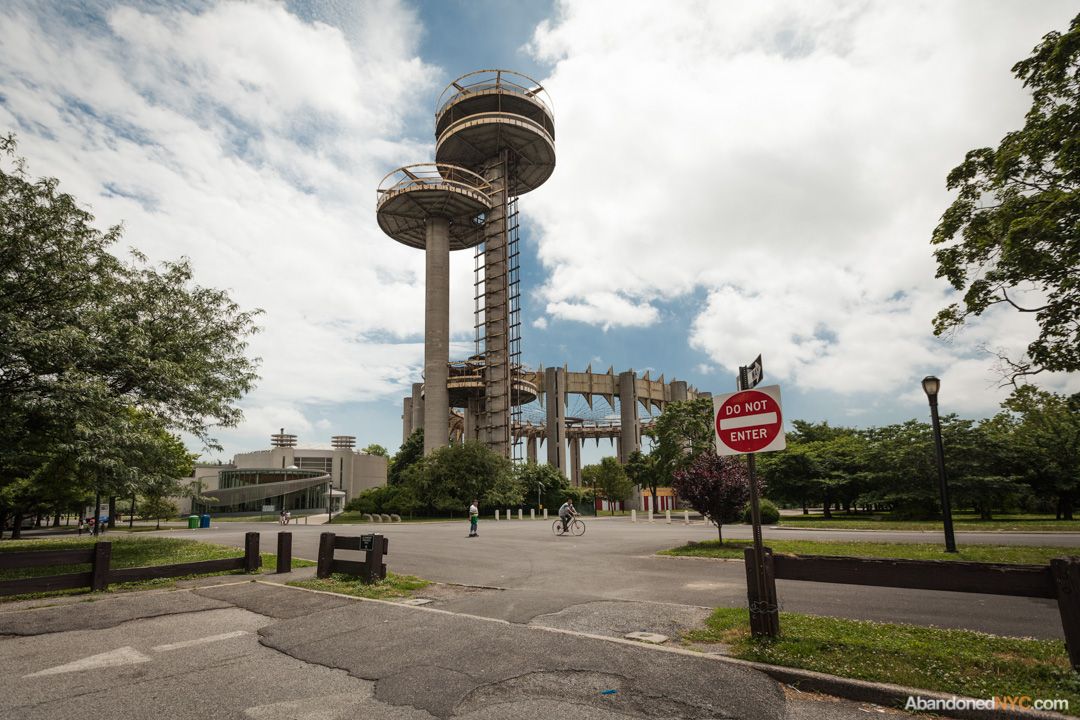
(608, 480)
(717, 487)
(1012, 235)
(101, 355)
(682, 432)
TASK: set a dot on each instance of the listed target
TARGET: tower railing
(434, 175)
(480, 82)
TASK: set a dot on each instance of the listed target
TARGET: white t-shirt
(473, 511)
(564, 510)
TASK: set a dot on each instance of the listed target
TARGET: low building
(287, 477)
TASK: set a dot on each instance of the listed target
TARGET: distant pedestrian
(474, 518)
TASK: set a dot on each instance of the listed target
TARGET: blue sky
(732, 179)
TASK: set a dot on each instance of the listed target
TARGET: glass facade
(310, 498)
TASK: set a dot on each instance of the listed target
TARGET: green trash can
(193, 522)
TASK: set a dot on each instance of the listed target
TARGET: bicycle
(575, 527)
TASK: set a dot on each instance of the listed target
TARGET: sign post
(747, 422)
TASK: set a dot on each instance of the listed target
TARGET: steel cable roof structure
(495, 141)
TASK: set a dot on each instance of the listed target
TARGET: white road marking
(748, 421)
(199, 641)
(113, 658)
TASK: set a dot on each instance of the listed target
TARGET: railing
(101, 575)
(481, 81)
(432, 175)
(1060, 580)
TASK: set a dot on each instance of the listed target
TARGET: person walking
(474, 518)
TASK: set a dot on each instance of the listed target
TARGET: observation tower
(439, 208)
(495, 140)
(500, 125)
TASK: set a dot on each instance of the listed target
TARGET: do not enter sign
(749, 421)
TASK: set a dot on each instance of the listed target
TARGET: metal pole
(329, 503)
(97, 513)
(946, 509)
(767, 627)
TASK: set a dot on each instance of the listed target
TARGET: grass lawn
(128, 552)
(962, 522)
(393, 586)
(950, 661)
(1023, 554)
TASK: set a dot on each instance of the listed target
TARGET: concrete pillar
(496, 516)
(532, 513)
(471, 413)
(545, 513)
(575, 461)
(628, 415)
(519, 513)
(633, 515)
(530, 449)
(554, 385)
(406, 419)
(667, 515)
(686, 516)
(437, 335)
(678, 390)
(417, 406)
(508, 515)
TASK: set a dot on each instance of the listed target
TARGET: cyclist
(566, 512)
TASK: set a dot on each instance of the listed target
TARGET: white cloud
(540, 323)
(789, 159)
(252, 142)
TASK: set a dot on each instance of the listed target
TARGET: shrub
(770, 515)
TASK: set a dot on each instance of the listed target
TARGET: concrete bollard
(496, 516)
(633, 515)
(667, 515)
(519, 513)
(545, 513)
(508, 515)
(532, 513)
(686, 516)
(650, 515)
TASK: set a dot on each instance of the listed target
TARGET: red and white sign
(749, 421)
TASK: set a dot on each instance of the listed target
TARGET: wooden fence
(1060, 580)
(101, 575)
(370, 569)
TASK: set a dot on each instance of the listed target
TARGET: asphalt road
(252, 650)
(573, 581)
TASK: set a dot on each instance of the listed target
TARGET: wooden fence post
(1066, 572)
(252, 560)
(764, 615)
(100, 567)
(326, 555)
(375, 569)
(284, 552)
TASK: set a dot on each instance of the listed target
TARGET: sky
(733, 179)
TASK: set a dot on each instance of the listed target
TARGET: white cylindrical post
(650, 513)
(532, 513)
(667, 514)
(545, 513)
(633, 515)
(519, 513)
(496, 516)
(508, 515)
(686, 516)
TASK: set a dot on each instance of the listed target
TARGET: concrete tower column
(628, 415)
(406, 418)
(437, 335)
(575, 462)
(554, 382)
(417, 406)
(678, 390)
(530, 449)
(472, 419)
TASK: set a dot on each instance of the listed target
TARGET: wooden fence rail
(1060, 580)
(370, 569)
(101, 575)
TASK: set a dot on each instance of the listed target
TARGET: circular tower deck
(466, 382)
(410, 195)
(481, 114)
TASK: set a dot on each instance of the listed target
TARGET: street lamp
(931, 385)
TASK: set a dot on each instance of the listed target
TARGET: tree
(546, 479)
(609, 480)
(156, 500)
(376, 449)
(1048, 438)
(682, 432)
(89, 339)
(410, 453)
(1014, 227)
(641, 470)
(449, 478)
(717, 487)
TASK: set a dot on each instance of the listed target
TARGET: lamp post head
(930, 386)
